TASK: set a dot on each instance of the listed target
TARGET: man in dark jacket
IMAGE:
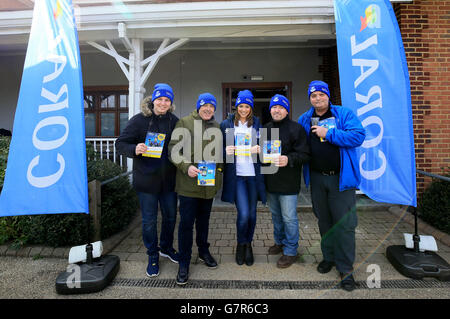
(145, 139)
(283, 186)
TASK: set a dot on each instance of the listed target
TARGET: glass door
(262, 93)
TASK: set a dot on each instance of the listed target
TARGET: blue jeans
(193, 211)
(246, 201)
(149, 208)
(285, 221)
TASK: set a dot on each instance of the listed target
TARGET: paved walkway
(377, 229)
(379, 226)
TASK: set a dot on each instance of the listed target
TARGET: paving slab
(31, 271)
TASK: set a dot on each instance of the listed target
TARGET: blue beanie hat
(206, 98)
(279, 99)
(162, 89)
(318, 86)
(245, 97)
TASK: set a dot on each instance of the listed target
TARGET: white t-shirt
(244, 164)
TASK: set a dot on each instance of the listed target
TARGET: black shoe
(249, 254)
(208, 260)
(183, 275)
(325, 266)
(240, 253)
(347, 282)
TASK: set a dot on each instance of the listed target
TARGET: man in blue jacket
(334, 132)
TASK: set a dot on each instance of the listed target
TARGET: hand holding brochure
(271, 149)
(328, 123)
(207, 174)
(155, 144)
(242, 141)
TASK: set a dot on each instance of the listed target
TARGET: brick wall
(330, 72)
(425, 29)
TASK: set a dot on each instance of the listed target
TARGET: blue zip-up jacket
(348, 135)
(229, 177)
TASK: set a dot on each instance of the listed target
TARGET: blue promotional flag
(46, 172)
(375, 85)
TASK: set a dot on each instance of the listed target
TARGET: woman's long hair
(249, 118)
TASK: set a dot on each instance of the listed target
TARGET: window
(105, 110)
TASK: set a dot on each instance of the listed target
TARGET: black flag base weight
(87, 277)
(416, 264)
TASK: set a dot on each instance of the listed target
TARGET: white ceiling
(215, 24)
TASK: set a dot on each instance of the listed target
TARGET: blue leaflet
(46, 171)
(374, 83)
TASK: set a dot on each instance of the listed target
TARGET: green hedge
(4, 148)
(119, 200)
(434, 205)
(119, 206)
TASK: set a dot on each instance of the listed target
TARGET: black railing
(444, 178)
(95, 201)
(416, 237)
(116, 177)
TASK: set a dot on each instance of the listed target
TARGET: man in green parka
(196, 150)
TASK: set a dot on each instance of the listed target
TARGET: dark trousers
(193, 211)
(149, 208)
(336, 212)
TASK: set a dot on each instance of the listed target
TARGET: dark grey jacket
(294, 145)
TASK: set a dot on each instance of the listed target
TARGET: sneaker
(325, 266)
(183, 275)
(347, 282)
(285, 261)
(153, 266)
(209, 261)
(172, 254)
(276, 249)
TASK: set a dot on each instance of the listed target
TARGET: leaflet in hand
(155, 144)
(328, 123)
(271, 149)
(243, 143)
(207, 174)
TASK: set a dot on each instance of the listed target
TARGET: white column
(135, 75)
(135, 89)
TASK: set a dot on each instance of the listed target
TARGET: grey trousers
(336, 212)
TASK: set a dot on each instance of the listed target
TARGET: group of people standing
(326, 153)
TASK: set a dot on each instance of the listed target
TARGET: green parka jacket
(194, 140)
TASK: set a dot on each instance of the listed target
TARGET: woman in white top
(243, 183)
